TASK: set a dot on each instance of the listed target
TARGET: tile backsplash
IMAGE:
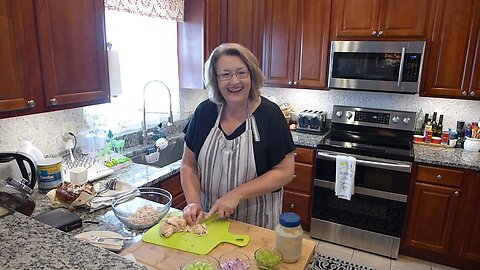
(45, 129)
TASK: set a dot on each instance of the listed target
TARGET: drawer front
(303, 178)
(298, 203)
(306, 155)
(440, 176)
(173, 185)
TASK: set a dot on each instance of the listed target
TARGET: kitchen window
(147, 49)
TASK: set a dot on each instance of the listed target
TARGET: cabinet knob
(472, 93)
(374, 33)
(380, 33)
(464, 93)
(292, 206)
(295, 154)
(456, 193)
(294, 176)
(31, 103)
(53, 101)
(290, 83)
(439, 177)
(295, 83)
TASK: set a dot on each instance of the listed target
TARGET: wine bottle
(434, 123)
(419, 123)
(425, 122)
(439, 126)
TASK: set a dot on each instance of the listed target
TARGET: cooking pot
(13, 165)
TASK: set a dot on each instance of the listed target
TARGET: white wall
(45, 129)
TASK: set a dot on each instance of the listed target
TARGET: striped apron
(225, 164)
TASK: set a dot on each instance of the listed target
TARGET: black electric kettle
(12, 162)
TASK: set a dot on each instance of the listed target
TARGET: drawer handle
(292, 206)
(439, 177)
(295, 154)
(456, 193)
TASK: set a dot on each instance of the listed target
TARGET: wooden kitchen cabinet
(296, 43)
(297, 195)
(470, 245)
(174, 186)
(374, 19)
(207, 24)
(54, 55)
(443, 216)
(453, 66)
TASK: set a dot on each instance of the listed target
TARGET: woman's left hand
(226, 205)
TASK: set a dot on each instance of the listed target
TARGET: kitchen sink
(173, 152)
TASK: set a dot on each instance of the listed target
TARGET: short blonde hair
(232, 49)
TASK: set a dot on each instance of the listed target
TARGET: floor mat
(322, 262)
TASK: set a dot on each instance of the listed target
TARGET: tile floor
(377, 262)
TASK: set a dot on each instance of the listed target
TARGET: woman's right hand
(192, 213)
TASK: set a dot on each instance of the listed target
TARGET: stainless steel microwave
(383, 66)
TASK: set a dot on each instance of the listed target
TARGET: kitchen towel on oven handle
(345, 177)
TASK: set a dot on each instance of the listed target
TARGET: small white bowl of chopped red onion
(233, 260)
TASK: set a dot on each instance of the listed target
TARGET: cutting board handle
(240, 240)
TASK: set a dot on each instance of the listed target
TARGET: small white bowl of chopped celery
(200, 262)
(268, 257)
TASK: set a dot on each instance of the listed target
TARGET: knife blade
(209, 218)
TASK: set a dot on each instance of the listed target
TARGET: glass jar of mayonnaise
(289, 236)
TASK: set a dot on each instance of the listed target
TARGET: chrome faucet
(144, 123)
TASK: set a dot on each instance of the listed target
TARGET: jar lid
(289, 219)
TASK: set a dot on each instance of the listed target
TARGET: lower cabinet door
(179, 201)
(298, 203)
(431, 219)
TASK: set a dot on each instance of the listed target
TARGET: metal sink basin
(172, 153)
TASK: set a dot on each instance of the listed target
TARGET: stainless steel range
(381, 142)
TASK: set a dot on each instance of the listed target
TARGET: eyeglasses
(227, 76)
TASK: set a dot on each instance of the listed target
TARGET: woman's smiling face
(235, 90)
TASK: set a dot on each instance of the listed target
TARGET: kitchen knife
(209, 218)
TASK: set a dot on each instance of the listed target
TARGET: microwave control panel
(411, 69)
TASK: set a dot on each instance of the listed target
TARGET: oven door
(376, 65)
(380, 194)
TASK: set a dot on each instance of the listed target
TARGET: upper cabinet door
(248, 33)
(279, 42)
(405, 18)
(373, 19)
(19, 74)
(356, 18)
(73, 51)
(453, 63)
(312, 44)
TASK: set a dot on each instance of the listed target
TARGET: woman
(238, 150)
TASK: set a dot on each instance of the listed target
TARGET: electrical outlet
(67, 126)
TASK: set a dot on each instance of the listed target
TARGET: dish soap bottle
(289, 237)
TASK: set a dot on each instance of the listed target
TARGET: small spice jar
(289, 237)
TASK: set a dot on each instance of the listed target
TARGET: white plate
(110, 244)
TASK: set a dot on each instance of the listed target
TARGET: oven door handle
(402, 167)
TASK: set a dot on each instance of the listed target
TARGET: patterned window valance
(165, 9)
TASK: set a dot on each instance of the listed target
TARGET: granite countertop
(27, 243)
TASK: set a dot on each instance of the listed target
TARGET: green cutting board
(190, 242)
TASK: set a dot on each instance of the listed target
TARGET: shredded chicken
(176, 224)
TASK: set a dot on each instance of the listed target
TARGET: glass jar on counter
(289, 237)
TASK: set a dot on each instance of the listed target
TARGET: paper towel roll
(114, 73)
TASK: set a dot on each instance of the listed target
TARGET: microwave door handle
(375, 164)
(400, 71)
